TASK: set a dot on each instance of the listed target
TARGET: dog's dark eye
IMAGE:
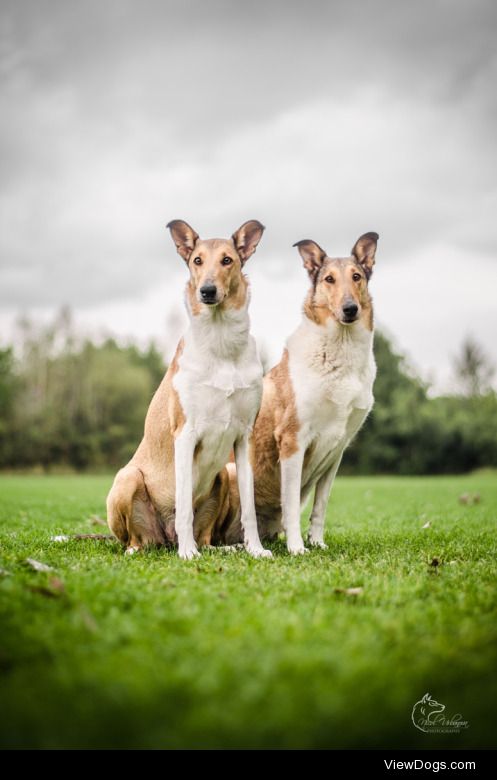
(330, 280)
(356, 277)
(226, 261)
(198, 261)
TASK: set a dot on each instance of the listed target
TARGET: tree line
(68, 402)
(410, 432)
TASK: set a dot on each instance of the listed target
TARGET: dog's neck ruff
(220, 332)
(332, 347)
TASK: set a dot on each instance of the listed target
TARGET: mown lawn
(109, 651)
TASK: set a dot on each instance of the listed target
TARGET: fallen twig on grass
(69, 537)
(349, 591)
(38, 565)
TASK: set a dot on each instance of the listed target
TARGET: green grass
(152, 652)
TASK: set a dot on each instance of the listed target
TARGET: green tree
(9, 386)
(409, 433)
(473, 370)
(76, 403)
(387, 442)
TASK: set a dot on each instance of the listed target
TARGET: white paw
(297, 549)
(132, 550)
(258, 552)
(188, 553)
(318, 543)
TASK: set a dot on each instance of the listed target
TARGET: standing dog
(315, 399)
(176, 483)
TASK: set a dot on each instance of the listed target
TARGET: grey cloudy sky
(321, 119)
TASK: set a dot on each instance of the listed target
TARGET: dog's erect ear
(364, 251)
(312, 255)
(183, 236)
(247, 237)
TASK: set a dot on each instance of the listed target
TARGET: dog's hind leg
(130, 513)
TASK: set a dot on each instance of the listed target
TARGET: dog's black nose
(350, 310)
(208, 293)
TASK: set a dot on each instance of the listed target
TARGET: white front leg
(184, 447)
(291, 477)
(247, 502)
(323, 488)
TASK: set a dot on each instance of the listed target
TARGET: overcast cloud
(321, 119)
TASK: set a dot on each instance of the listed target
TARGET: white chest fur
(332, 369)
(219, 383)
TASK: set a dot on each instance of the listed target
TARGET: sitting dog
(176, 485)
(314, 400)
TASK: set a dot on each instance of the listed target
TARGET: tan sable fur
(134, 516)
(323, 302)
(275, 432)
(217, 352)
(232, 285)
(280, 431)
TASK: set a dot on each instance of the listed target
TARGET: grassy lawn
(151, 652)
